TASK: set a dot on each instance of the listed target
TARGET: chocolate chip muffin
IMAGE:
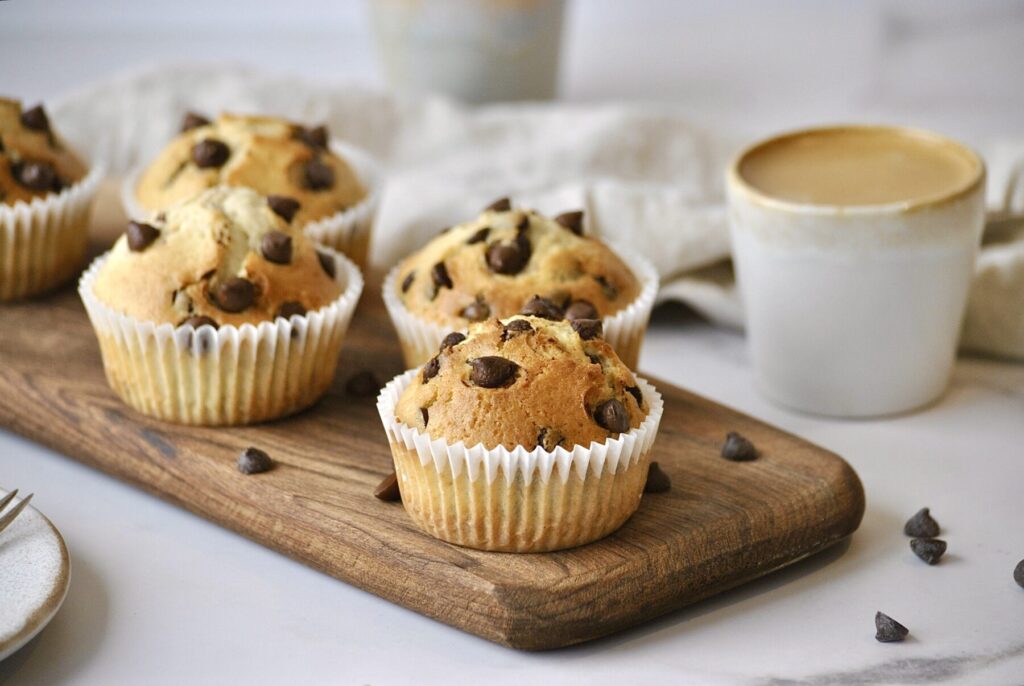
(220, 311)
(510, 261)
(45, 196)
(526, 422)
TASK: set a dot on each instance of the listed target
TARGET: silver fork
(11, 514)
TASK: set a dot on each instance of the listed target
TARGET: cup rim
(736, 182)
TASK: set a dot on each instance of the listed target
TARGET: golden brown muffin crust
(554, 386)
(34, 161)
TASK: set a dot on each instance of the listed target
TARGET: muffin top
(228, 256)
(270, 155)
(34, 161)
(495, 265)
(524, 381)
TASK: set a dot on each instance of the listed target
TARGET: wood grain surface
(722, 524)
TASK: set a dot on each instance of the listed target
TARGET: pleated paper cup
(43, 242)
(347, 231)
(624, 330)
(228, 375)
(518, 500)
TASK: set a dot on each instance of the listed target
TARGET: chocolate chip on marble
(363, 384)
(289, 309)
(317, 176)
(210, 153)
(637, 395)
(276, 247)
(439, 275)
(480, 236)
(612, 415)
(197, 320)
(283, 206)
(607, 287)
(928, 549)
(1018, 573)
(431, 368)
(37, 176)
(588, 328)
(452, 340)
(425, 415)
(572, 221)
(254, 461)
(327, 263)
(140, 236)
(737, 448)
(191, 120)
(549, 439)
(538, 306)
(508, 257)
(492, 371)
(515, 326)
(499, 205)
(888, 630)
(36, 119)
(476, 311)
(581, 309)
(921, 525)
(657, 480)
(387, 490)
(235, 294)
(315, 137)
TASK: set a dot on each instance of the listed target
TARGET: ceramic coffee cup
(853, 293)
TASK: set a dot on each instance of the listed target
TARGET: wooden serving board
(722, 524)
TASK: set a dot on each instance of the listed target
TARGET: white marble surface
(160, 596)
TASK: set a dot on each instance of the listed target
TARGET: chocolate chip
(36, 119)
(425, 416)
(476, 311)
(542, 307)
(921, 525)
(276, 247)
(480, 236)
(607, 287)
(549, 439)
(657, 480)
(508, 257)
(37, 176)
(439, 275)
(515, 326)
(407, 281)
(612, 415)
(317, 176)
(499, 205)
(444, 231)
(737, 448)
(492, 371)
(523, 225)
(363, 384)
(210, 152)
(315, 138)
(572, 221)
(140, 236)
(254, 461)
(283, 206)
(431, 368)
(327, 263)
(1018, 573)
(594, 359)
(387, 490)
(637, 395)
(235, 294)
(888, 630)
(191, 120)
(928, 549)
(197, 320)
(289, 309)
(452, 340)
(588, 328)
(581, 309)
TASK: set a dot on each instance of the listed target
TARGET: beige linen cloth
(646, 177)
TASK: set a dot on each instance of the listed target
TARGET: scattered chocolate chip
(317, 176)
(387, 490)
(276, 247)
(37, 176)
(1018, 573)
(657, 480)
(499, 205)
(425, 415)
(476, 311)
(542, 307)
(523, 225)
(431, 368)
(572, 221)
(452, 340)
(210, 152)
(921, 525)
(492, 371)
(508, 257)
(588, 328)
(140, 236)
(283, 206)
(439, 275)
(581, 309)
(480, 236)
(549, 439)
(315, 137)
(607, 287)
(516, 326)
(888, 630)
(594, 359)
(928, 549)
(327, 263)
(235, 294)
(36, 119)
(289, 309)
(407, 281)
(737, 448)
(254, 461)
(637, 395)
(197, 320)
(191, 120)
(363, 384)
(612, 415)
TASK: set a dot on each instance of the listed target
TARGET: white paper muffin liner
(227, 375)
(347, 231)
(518, 500)
(43, 242)
(624, 330)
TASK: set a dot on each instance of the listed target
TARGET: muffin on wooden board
(219, 311)
(525, 435)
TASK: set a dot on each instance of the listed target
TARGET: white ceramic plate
(34, 575)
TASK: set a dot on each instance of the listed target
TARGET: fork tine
(7, 498)
(6, 520)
